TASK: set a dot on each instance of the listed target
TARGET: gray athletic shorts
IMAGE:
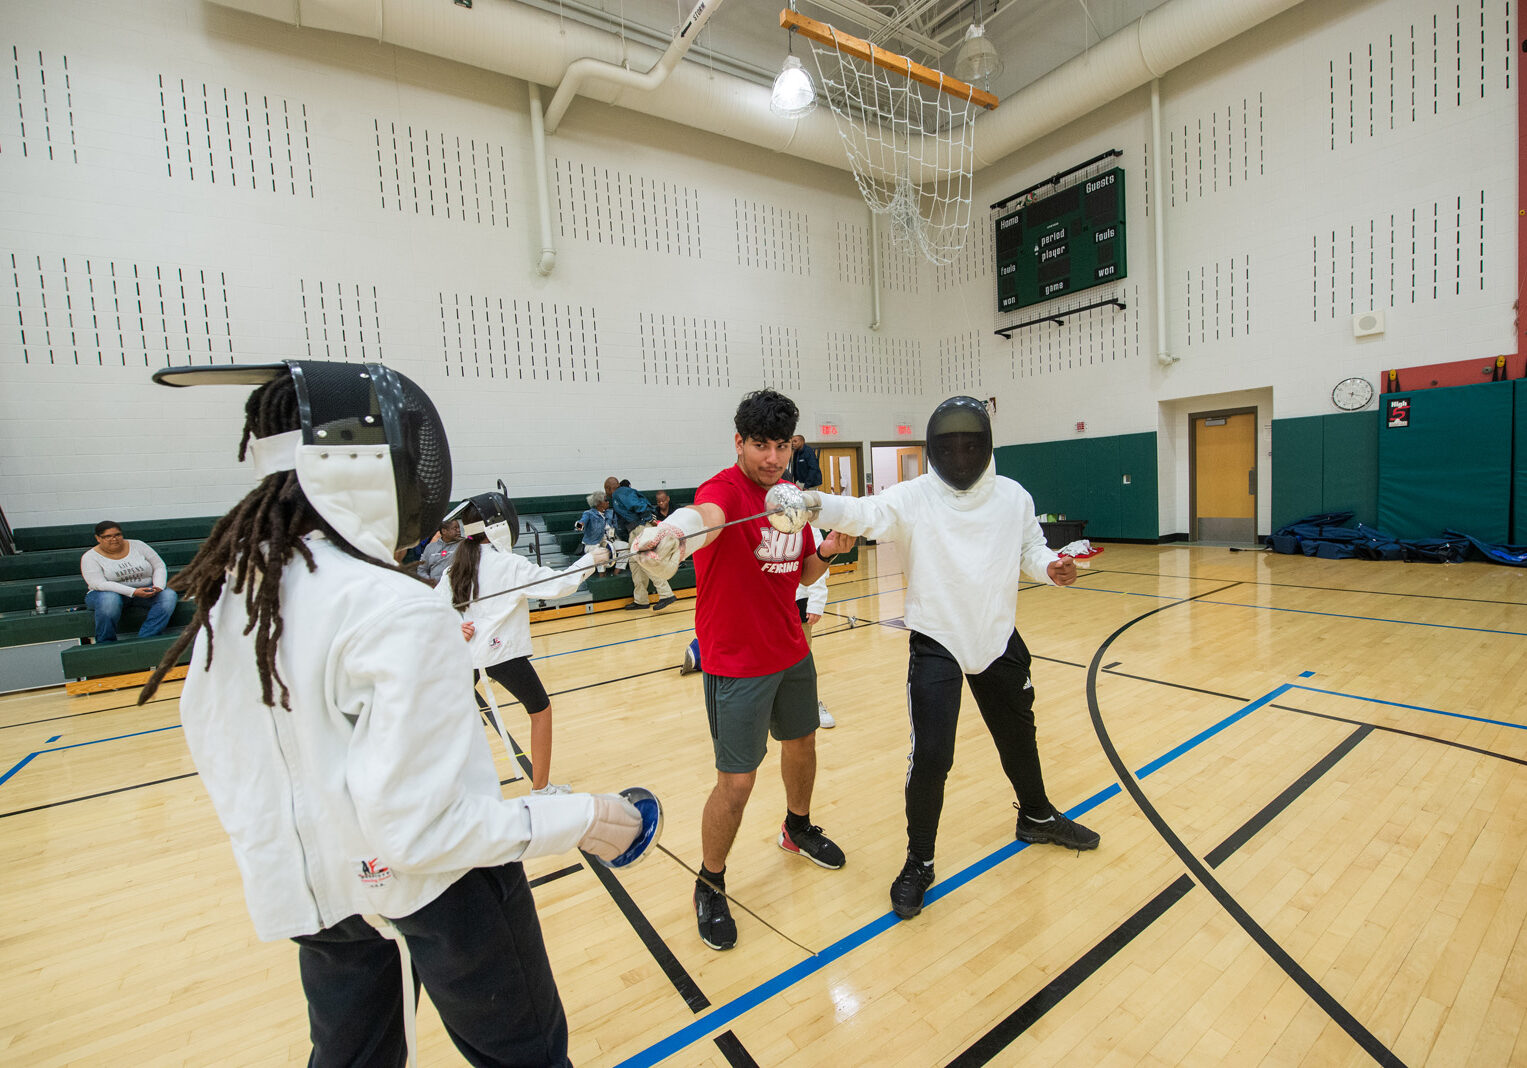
(743, 712)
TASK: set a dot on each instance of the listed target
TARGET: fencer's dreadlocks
(253, 543)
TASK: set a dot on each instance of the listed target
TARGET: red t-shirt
(745, 614)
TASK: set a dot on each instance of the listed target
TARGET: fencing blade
(664, 849)
(615, 558)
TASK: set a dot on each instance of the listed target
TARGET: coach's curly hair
(765, 415)
(252, 544)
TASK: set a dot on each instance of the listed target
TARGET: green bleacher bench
(59, 624)
(82, 535)
(51, 563)
(119, 657)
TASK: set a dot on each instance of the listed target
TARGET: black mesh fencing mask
(491, 515)
(959, 441)
(372, 456)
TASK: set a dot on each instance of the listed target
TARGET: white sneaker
(824, 717)
(551, 789)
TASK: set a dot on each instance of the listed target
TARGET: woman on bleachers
(119, 571)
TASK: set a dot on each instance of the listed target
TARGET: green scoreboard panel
(1066, 242)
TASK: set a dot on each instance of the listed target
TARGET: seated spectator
(663, 507)
(437, 555)
(118, 570)
(641, 577)
(598, 525)
(804, 471)
(631, 508)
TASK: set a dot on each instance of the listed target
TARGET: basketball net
(912, 149)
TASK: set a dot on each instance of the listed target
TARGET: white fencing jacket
(963, 551)
(377, 791)
(502, 624)
(814, 592)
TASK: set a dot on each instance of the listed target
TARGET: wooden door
(909, 463)
(840, 469)
(1224, 476)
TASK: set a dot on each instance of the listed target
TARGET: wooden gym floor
(1316, 855)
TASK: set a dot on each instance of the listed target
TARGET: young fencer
(333, 728)
(496, 622)
(965, 534)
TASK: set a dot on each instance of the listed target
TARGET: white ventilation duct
(522, 42)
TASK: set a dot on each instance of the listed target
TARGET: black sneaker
(663, 603)
(811, 844)
(1057, 830)
(634, 605)
(908, 888)
(717, 928)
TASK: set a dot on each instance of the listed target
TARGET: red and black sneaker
(811, 844)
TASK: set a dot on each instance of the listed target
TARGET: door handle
(1251, 482)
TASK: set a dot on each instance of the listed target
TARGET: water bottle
(40, 601)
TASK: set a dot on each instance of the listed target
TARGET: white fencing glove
(664, 546)
(615, 827)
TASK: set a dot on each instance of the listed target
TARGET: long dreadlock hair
(252, 544)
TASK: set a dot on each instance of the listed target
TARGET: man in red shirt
(759, 675)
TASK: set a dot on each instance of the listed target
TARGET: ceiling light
(978, 61)
(793, 94)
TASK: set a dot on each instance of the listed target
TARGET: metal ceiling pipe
(1146, 49)
(587, 69)
(522, 42)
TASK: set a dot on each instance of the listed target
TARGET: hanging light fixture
(978, 60)
(794, 95)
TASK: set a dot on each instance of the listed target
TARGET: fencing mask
(490, 514)
(371, 455)
(959, 441)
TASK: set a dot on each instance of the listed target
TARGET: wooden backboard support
(872, 53)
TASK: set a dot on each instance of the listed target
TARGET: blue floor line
(23, 762)
(724, 1014)
(1413, 708)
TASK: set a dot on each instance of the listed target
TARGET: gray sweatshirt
(141, 567)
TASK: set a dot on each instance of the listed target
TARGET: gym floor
(1310, 778)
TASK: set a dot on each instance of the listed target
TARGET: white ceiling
(743, 37)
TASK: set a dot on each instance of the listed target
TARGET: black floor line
(1338, 1013)
(1088, 964)
(92, 712)
(90, 797)
(682, 981)
(731, 1048)
(542, 880)
(989, 1045)
(1404, 733)
(1325, 589)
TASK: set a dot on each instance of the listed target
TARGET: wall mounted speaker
(1367, 324)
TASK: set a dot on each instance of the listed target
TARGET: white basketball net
(912, 148)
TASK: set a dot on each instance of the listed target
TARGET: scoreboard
(1063, 243)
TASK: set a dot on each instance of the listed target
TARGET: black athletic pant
(478, 950)
(1005, 697)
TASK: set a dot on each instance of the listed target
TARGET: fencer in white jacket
(966, 536)
(496, 623)
(332, 725)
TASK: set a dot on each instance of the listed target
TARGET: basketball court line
(1088, 964)
(724, 1014)
(1324, 589)
(1311, 987)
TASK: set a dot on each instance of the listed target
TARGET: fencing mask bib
(371, 455)
(959, 441)
(491, 515)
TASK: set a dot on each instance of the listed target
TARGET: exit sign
(827, 430)
(904, 430)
